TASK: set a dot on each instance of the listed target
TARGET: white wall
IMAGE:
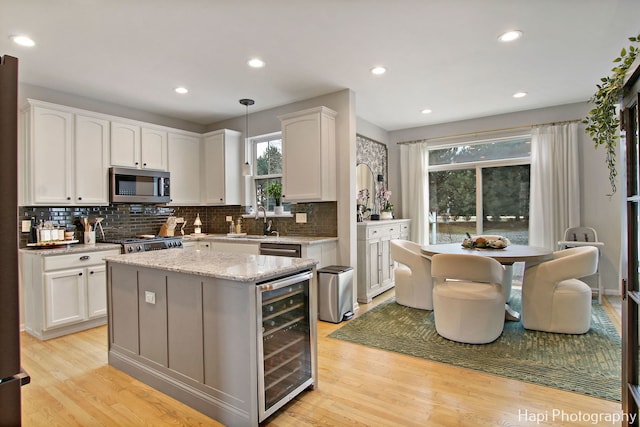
(598, 209)
(26, 91)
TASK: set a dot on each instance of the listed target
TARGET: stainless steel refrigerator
(11, 376)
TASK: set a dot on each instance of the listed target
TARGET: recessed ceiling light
(23, 41)
(520, 94)
(378, 70)
(510, 36)
(181, 90)
(426, 111)
(256, 63)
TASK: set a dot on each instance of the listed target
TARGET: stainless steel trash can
(335, 293)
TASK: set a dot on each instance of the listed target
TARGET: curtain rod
(484, 132)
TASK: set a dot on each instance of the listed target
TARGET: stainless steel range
(143, 244)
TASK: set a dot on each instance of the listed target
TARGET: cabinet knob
(85, 258)
(91, 272)
(79, 274)
(68, 198)
(144, 164)
(79, 198)
(137, 163)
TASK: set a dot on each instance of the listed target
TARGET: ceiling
(441, 54)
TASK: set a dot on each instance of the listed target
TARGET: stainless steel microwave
(139, 186)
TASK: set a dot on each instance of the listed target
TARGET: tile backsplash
(121, 221)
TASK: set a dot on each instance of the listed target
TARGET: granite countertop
(233, 266)
(301, 240)
(70, 249)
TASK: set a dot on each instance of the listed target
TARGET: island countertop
(232, 266)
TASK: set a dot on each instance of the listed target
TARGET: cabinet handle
(79, 274)
(91, 272)
(85, 258)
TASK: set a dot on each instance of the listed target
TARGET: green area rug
(587, 364)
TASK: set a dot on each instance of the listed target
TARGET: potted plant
(386, 208)
(603, 121)
(274, 189)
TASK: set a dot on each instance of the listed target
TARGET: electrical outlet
(301, 218)
(26, 226)
(150, 297)
(229, 218)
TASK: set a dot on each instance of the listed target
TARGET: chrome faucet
(265, 227)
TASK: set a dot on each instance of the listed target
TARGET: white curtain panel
(555, 185)
(414, 163)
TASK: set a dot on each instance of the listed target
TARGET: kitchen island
(231, 335)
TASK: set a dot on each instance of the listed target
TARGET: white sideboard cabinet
(64, 293)
(309, 155)
(375, 266)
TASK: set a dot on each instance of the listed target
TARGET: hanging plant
(603, 121)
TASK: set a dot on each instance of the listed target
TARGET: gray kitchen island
(232, 335)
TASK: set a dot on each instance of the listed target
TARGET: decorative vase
(278, 210)
(386, 215)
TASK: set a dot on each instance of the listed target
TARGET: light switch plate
(26, 226)
(301, 218)
(150, 297)
(229, 218)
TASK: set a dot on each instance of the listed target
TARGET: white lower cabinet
(375, 266)
(64, 293)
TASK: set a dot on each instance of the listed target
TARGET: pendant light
(246, 167)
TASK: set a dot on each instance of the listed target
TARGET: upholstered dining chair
(412, 275)
(553, 299)
(468, 297)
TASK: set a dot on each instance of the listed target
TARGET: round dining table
(530, 255)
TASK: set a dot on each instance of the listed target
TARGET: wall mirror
(365, 181)
(371, 161)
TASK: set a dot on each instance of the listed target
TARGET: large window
(480, 188)
(267, 161)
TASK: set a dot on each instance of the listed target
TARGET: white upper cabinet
(125, 145)
(222, 168)
(184, 166)
(64, 157)
(133, 146)
(153, 149)
(91, 160)
(309, 155)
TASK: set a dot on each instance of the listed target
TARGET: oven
(145, 244)
(287, 359)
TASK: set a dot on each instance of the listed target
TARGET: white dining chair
(553, 298)
(468, 297)
(412, 275)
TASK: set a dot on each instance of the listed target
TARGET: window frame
(478, 166)
(252, 186)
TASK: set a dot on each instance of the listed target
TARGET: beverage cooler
(286, 357)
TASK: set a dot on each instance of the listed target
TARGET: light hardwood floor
(72, 385)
